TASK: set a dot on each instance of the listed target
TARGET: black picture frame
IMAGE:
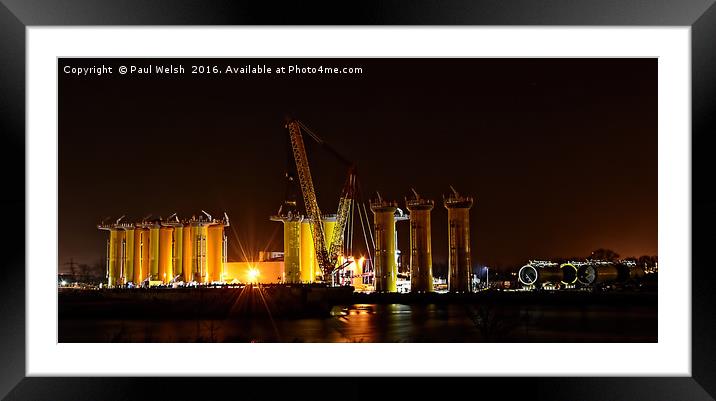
(16, 15)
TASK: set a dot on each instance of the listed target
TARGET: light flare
(253, 275)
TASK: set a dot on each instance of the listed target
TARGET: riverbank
(303, 300)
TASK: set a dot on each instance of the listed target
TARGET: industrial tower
(115, 252)
(300, 259)
(165, 251)
(294, 269)
(459, 261)
(320, 237)
(386, 268)
(421, 258)
(293, 273)
(141, 255)
(310, 267)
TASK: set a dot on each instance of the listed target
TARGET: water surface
(390, 323)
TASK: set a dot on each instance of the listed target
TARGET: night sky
(560, 154)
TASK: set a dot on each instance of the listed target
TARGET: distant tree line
(611, 256)
(440, 270)
(87, 273)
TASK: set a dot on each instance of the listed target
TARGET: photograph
(357, 200)
(238, 197)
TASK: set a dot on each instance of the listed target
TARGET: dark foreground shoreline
(305, 300)
(315, 315)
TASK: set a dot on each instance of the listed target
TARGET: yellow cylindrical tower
(141, 255)
(121, 256)
(177, 251)
(386, 269)
(128, 256)
(154, 252)
(307, 254)
(215, 252)
(329, 223)
(293, 269)
(421, 258)
(114, 245)
(164, 266)
(188, 253)
(200, 253)
(459, 261)
(165, 250)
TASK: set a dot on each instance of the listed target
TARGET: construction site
(342, 265)
(317, 247)
(460, 209)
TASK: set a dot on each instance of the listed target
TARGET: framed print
(513, 195)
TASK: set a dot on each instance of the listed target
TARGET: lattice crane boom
(344, 208)
(309, 195)
(327, 254)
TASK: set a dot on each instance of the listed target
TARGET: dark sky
(560, 154)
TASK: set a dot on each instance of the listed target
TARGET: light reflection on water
(390, 323)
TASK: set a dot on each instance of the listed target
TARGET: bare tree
(605, 254)
(645, 261)
(84, 270)
(73, 267)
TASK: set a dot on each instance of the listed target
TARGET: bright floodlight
(253, 274)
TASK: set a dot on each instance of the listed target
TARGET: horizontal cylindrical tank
(597, 274)
(386, 269)
(527, 275)
(636, 272)
(532, 275)
(550, 274)
(569, 273)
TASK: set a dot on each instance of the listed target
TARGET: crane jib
(327, 256)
